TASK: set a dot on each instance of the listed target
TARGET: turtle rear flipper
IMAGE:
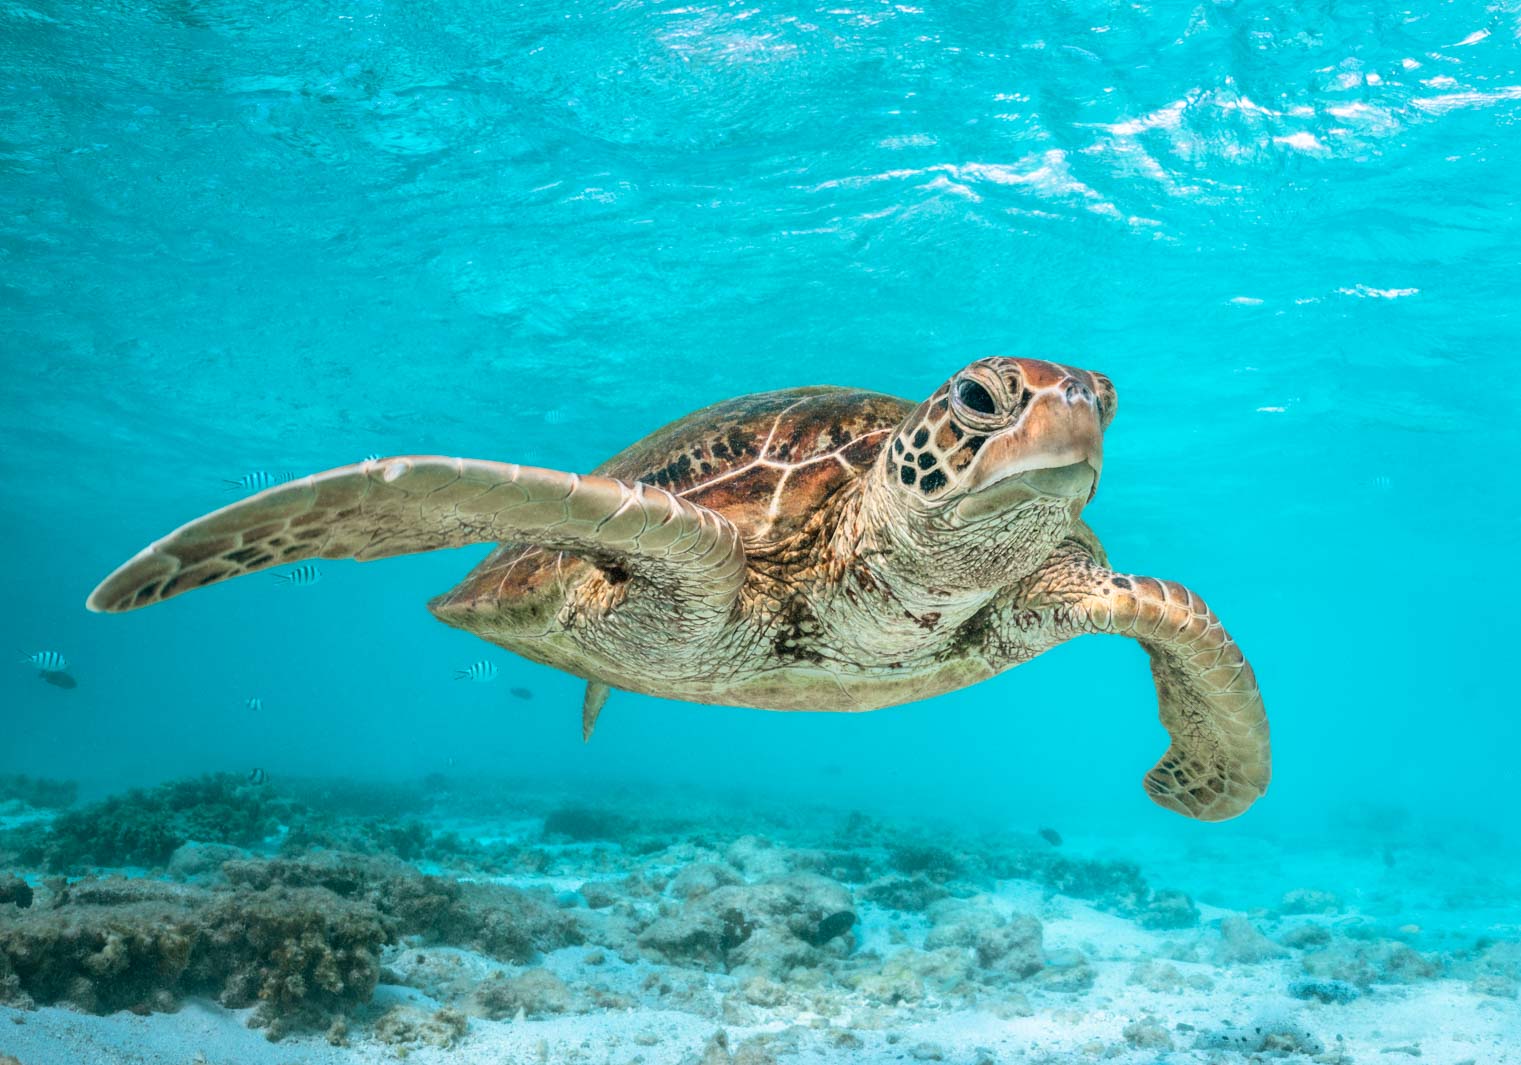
(591, 707)
(416, 503)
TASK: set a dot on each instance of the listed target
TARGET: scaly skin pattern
(814, 549)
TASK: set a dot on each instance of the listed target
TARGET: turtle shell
(765, 461)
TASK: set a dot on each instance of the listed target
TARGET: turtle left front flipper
(689, 559)
(1220, 760)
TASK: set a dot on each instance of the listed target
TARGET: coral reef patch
(429, 920)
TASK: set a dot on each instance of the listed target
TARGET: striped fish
(301, 576)
(258, 778)
(258, 480)
(255, 704)
(481, 672)
(47, 661)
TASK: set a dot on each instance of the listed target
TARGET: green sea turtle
(808, 549)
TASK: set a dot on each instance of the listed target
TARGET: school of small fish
(481, 672)
(255, 704)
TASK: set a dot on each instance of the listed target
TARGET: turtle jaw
(1075, 481)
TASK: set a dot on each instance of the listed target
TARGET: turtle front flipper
(1220, 761)
(400, 506)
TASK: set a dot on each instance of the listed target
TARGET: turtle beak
(1055, 450)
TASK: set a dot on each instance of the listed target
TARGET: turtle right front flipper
(1220, 759)
(398, 506)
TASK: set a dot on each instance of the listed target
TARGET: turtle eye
(974, 397)
(981, 405)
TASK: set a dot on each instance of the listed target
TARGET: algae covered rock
(907, 893)
(600, 894)
(700, 878)
(506, 922)
(760, 859)
(1304, 936)
(958, 922)
(1309, 901)
(512, 924)
(1012, 946)
(127, 953)
(935, 863)
(789, 921)
(1158, 976)
(1363, 963)
(1169, 910)
(1068, 971)
(1147, 1033)
(907, 976)
(533, 993)
(301, 955)
(408, 1026)
(200, 861)
(1241, 943)
(1497, 970)
(144, 827)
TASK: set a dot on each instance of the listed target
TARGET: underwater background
(278, 237)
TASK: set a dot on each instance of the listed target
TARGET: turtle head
(992, 471)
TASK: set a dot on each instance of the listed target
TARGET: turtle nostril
(1077, 392)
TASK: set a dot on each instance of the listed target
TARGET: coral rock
(1147, 1033)
(1067, 971)
(783, 917)
(1169, 910)
(409, 1026)
(534, 993)
(1309, 900)
(701, 878)
(908, 893)
(1240, 942)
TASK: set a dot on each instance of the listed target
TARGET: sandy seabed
(338, 923)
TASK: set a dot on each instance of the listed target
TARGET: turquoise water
(278, 237)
